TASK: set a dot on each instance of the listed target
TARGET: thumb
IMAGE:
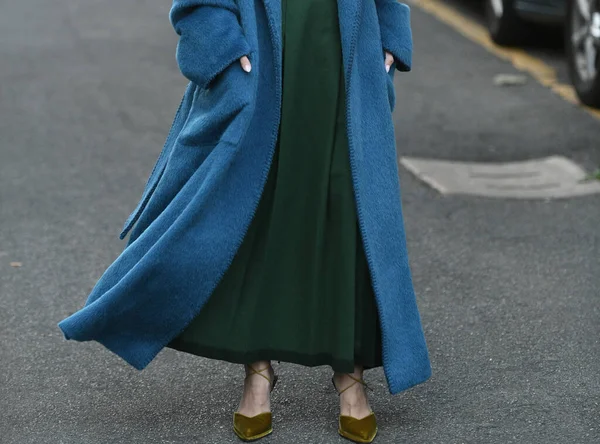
(245, 62)
(389, 60)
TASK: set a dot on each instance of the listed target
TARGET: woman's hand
(245, 62)
(389, 59)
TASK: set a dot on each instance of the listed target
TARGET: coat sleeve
(210, 37)
(396, 35)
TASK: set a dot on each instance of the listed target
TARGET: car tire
(504, 25)
(587, 85)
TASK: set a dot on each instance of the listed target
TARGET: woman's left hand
(389, 59)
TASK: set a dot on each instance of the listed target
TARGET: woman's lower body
(299, 289)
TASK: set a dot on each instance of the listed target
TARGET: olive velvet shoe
(255, 427)
(361, 430)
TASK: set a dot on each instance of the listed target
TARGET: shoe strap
(253, 371)
(356, 381)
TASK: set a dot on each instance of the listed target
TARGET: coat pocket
(218, 110)
(211, 38)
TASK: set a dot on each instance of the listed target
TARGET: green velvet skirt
(299, 289)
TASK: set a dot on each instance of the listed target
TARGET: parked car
(510, 23)
(583, 49)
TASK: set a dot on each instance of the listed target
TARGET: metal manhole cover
(551, 177)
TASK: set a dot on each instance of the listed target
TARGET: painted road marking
(548, 178)
(536, 68)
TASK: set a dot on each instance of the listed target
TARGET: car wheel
(504, 25)
(583, 49)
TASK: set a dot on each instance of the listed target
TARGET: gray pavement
(509, 290)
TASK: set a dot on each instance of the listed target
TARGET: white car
(510, 22)
(583, 49)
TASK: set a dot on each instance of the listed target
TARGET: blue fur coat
(206, 185)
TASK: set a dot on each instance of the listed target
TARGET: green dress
(299, 289)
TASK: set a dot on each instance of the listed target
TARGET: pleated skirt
(299, 289)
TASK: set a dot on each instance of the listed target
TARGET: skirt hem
(249, 356)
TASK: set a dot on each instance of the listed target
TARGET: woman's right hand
(245, 62)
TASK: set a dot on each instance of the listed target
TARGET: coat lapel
(273, 10)
(349, 17)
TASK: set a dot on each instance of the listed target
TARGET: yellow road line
(536, 68)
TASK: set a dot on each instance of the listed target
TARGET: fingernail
(247, 68)
(387, 68)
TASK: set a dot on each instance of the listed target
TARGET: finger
(245, 62)
(389, 60)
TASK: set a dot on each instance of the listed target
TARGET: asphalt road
(509, 290)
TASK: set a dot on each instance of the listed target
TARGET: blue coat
(206, 185)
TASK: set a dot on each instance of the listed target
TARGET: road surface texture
(509, 290)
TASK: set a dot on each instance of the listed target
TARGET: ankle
(259, 377)
(258, 368)
(353, 396)
(343, 381)
(257, 385)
